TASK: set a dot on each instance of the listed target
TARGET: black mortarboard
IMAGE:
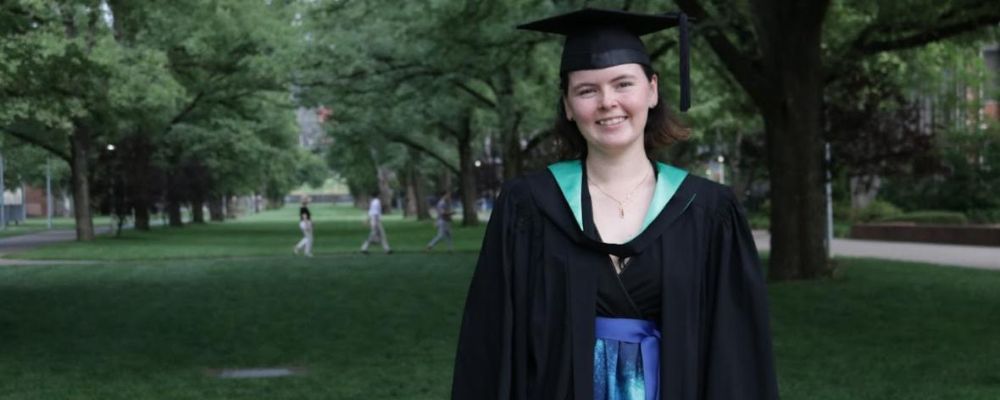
(597, 38)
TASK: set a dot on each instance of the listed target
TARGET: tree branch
(537, 140)
(27, 138)
(478, 96)
(187, 110)
(401, 139)
(661, 50)
(863, 46)
(740, 65)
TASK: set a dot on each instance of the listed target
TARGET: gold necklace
(628, 196)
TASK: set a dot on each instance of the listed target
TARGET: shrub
(929, 217)
(875, 211)
(841, 210)
(760, 221)
(984, 216)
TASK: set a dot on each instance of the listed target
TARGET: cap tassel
(685, 67)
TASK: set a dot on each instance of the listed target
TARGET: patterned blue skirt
(626, 359)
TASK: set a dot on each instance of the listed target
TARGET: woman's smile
(613, 121)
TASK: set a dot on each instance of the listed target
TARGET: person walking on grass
(305, 224)
(443, 221)
(377, 232)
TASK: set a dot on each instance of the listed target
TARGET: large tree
(776, 50)
(66, 84)
(191, 93)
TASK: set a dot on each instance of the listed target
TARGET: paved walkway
(15, 244)
(944, 254)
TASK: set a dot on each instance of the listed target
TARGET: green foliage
(27, 164)
(841, 210)
(194, 93)
(311, 169)
(876, 210)
(984, 216)
(964, 176)
(928, 217)
(760, 221)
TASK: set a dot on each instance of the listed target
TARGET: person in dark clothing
(609, 275)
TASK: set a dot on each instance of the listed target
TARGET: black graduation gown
(634, 293)
(528, 326)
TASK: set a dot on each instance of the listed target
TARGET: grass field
(163, 308)
(338, 229)
(32, 225)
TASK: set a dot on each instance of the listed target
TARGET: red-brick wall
(35, 201)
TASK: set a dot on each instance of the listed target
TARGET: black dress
(528, 326)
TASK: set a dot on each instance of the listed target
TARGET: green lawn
(150, 325)
(337, 230)
(33, 225)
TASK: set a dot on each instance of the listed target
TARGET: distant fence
(977, 235)
(13, 214)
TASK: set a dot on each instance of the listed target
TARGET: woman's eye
(585, 92)
(625, 84)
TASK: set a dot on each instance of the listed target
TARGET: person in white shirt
(443, 221)
(377, 233)
(305, 224)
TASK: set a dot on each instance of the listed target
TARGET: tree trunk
(385, 190)
(420, 192)
(139, 180)
(416, 196)
(410, 208)
(80, 148)
(173, 202)
(141, 210)
(790, 37)
(198, 210)
(513, 154)
(174, 213)
(215, 209)
(798, 204)
(197, 196)
(467, 182)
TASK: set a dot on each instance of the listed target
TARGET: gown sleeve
(740, 363)
(483, 360)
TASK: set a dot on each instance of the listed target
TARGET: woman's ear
(654, 92)
(569, 111)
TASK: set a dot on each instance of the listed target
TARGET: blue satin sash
(633, 331)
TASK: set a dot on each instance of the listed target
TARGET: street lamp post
(111, 186)
(48, 191)
(829, 199)
(722, 169)
(3, 206)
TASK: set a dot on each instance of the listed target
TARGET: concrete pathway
(945, 254)
(15, 244)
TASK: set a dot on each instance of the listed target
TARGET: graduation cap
(598, 38)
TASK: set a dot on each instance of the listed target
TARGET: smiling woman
(610, 276)
(628, 84)
(610, 106)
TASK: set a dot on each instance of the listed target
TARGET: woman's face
(610, 105)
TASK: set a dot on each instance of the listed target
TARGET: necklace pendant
(621, 212)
